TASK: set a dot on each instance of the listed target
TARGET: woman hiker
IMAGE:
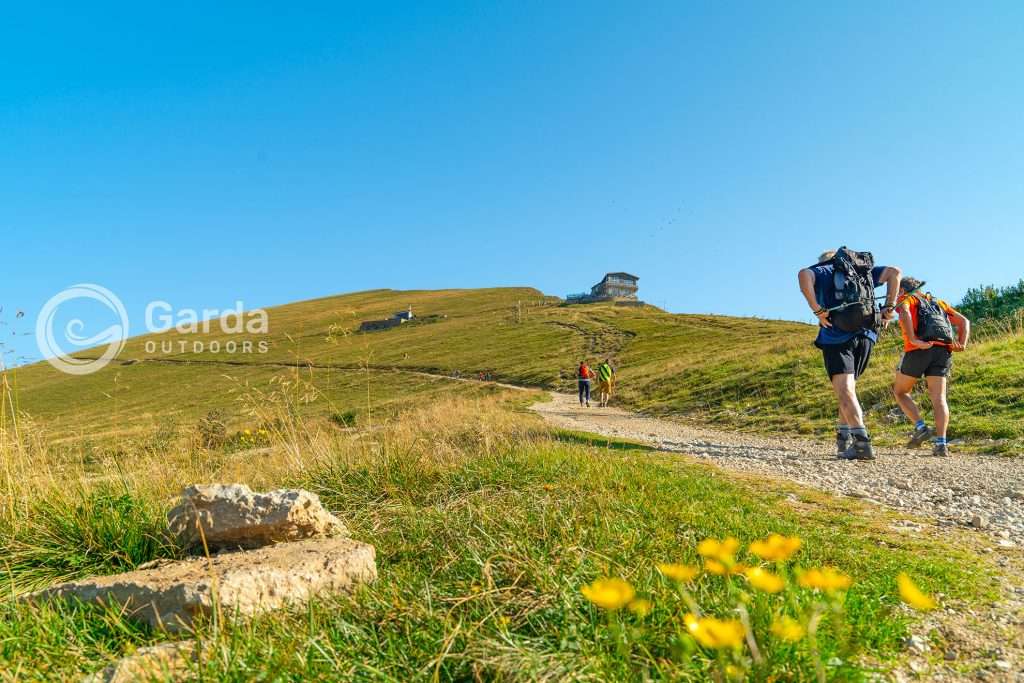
(583, 376)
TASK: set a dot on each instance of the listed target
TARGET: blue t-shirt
(825, 292)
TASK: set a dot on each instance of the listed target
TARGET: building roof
(620, 274)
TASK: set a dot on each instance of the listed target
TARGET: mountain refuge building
(618, 287)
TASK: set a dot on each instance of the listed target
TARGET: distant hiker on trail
(840, 289)
(929, 341)
(583, 376)
(605, 373)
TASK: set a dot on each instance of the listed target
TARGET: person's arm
(890, 277)
(907, 324)
(806, 279)
(963, 328)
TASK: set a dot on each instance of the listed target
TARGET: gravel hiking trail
(982, 494)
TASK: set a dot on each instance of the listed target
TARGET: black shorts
(934, 362)
(848, 358)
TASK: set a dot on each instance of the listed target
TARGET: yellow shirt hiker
(605, 373)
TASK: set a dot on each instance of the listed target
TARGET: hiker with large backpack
(932, 331)
(583, 376)
(605, 373)
(840, 289)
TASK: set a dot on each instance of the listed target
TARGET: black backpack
(855, 291)
(932, 322)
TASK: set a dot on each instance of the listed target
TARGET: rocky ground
(982, 495)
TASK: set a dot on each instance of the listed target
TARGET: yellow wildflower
(715, 633)
(715, 567)
(720, 569)
(788, 629)
(827, 579)
(764, 580)
(722, 551)
(912, 595)
(776, 548)
(683, 573)
(609, 593)
(641, 607)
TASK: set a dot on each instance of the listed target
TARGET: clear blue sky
(208, 152)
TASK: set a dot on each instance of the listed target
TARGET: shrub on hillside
(344, 419)
(988, 302)
(212, 430)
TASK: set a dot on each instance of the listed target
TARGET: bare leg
(937, 391)
(845, 387)
(901, 387)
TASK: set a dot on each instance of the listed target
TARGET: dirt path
(981, 492)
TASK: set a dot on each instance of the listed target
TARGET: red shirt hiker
(583, 376)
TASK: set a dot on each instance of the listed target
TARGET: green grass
(742, 373)
(70, 535)
(482, 552)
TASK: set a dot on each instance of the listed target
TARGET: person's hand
(823, 318)
(921, 344)
(957, 346)
(888, 314)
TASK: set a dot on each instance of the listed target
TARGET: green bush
(992, 302)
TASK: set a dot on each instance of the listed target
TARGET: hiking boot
(860, 449)
(940, 449)
(919, 436)
(843, 442)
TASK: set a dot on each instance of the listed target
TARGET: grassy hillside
(744, 373)
(487, 527)
(487, 523)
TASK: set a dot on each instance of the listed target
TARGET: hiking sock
(860, 433)
(844, 431)
(940, 441)
(919, 424)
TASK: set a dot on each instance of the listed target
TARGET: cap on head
(826, 255)
(911, 284)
